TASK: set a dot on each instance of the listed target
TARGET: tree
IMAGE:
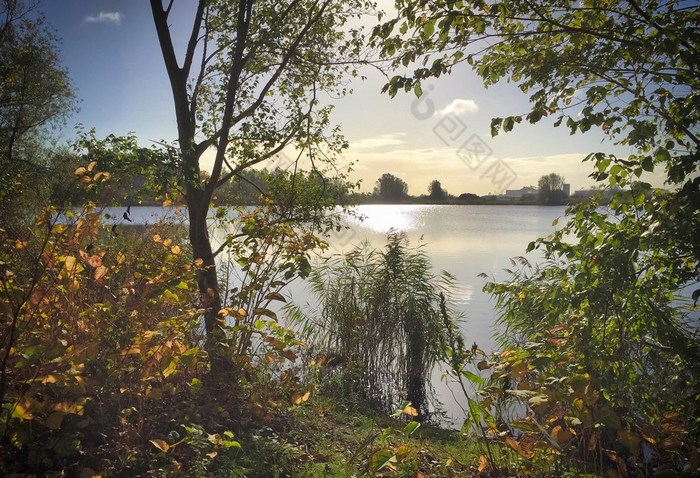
(607, 305)
(390, 188)
(436, 191)
(551, 188)
(246, 88)
(35, 92)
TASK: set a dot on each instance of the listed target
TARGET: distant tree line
(392, 189)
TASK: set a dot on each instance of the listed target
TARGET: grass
(323, 439)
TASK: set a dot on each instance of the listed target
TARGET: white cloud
(377, 142)
(104, 17)
(458, 107)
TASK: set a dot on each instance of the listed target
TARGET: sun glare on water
(381, 218)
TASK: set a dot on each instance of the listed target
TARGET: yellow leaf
(170, 369)
(198, 262)
(648, 439)
(162, 445)
(483, 463)
(101, 176)
(298, 398)
(176, 249)
(167, 203)
(80, 171)
(22, 413)
(167, 242)
(561, 435)
(401, 453)
(92, 165)
(410, 411)
(49, 379)
(157, 238)
(70, 264)
(100, 272)
(67, 407)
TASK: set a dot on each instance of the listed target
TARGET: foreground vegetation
(159, 352)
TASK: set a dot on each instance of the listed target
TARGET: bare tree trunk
(207, 280)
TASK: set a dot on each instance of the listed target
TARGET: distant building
(519, 193)
(567, 190)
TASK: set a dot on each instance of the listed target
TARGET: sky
(111, 51)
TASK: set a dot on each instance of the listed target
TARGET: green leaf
(381, 459)
(472, 377)
(417, 90)
(410, 428)
(428, 29)
(508, 123)
(662, 156)
(496, 126)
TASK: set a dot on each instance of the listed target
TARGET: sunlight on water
(382, 218)
(462, 294)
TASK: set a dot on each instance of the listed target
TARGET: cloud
(104, 17)
(458, 107)
(377, 142)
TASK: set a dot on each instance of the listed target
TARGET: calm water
(463, 240)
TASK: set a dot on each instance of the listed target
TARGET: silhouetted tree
(390, 188)
(468, 197)
(436, 191)
(551, 188)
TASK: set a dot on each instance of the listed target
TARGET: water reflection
(383, 218)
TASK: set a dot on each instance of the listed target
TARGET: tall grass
(378, 314)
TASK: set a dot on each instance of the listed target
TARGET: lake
(461, 239)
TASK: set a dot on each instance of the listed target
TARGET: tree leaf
(162, 445)
(381, 459)
(275, 296)
(100, 273)
(298, 398)
(410, 428)
(265, 312)
(54, 420)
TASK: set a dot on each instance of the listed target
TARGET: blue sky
(111, 51)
